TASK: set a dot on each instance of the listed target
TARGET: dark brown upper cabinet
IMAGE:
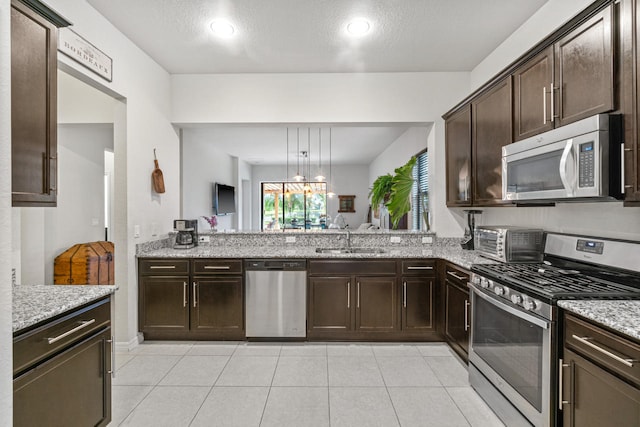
(492, 128)
(458, 157)
(571, 79)
(34, 42)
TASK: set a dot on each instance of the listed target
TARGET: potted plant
(394, 191)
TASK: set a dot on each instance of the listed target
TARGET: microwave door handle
(568, 186)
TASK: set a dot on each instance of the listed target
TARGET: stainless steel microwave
(581, 160)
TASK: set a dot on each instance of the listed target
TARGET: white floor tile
(196, 370)
(426, 407)
(257, 349)
(168, 406)
(449, 371)
(354, 372)
(394, 350)
(124, 398)
(296, 406)
(145, 370)
(225, 349)
(403, 371)
(349, 350)
(306, 349)
(303, 371)
(361, 406)
(473, 407)
(252, 371)
(122, 359)
(434, 349)
(161, 348)
(232, 407)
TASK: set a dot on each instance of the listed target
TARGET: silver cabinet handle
(551, 99)
(162, 267)
(561, 401)
(184, 294)
(348, 294)
(466, 315)
(419, 268)
(626, 361)
(83, 324)
(404, 294)
(544, 105)
(217, 267)
(452, 274)
(358, 294)
(195, 294)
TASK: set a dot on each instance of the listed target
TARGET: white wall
(335, 98)
(6, 341)
(600, 219)
(202, 166)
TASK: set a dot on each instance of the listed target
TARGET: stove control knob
(475, 279)
(499, 290)
(531, 305)
(516, 299)
(484, 282)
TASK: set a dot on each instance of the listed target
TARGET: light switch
(136, 231)
(290, 239)
(427, 240)
(396, 239)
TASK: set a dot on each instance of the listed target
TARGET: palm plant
(394, 191)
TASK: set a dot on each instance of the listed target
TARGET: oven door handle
(524, 316)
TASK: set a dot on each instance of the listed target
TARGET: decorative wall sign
(346, 204)
(86, 54)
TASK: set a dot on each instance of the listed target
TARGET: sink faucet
(348, 239)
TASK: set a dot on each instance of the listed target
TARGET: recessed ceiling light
(358, 27)
(222, 28)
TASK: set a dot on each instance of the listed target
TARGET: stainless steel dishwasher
(276, 298)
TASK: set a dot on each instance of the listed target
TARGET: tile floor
(294, 384)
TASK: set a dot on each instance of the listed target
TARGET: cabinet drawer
(42, 342)
(217, 266)
(456, 275)
(365, 267)
(164, 266)
(614, 352)
(419, 266)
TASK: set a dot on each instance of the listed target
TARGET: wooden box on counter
(85, 264)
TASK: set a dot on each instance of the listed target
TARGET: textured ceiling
(288, 36)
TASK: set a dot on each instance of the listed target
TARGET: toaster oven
(509, 243)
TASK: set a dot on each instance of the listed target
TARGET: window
(294, 205)
(419, 193)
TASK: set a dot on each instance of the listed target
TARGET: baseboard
(124, 347)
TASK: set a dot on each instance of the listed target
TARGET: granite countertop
(621, 316)
(33, 304)
(450, 253)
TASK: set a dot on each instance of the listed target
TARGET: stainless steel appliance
(509, 244)
(276, 298)
(581, 160)
(187, 233)
(513, 352)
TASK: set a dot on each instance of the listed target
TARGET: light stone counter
(33, 304)
(621, 316)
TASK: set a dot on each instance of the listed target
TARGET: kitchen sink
(350, 251)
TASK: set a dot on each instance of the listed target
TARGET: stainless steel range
(513, 351)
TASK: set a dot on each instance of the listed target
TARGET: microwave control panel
(586, 165)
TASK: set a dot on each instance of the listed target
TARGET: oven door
(513, 350)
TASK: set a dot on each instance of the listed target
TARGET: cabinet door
(216, 305)
(458, 157)
(330, 302)
(595, 397)
(164, 303)
(491, 130)
(33, 108)
(532, 96)
(417, 304)
(456, 323)
(71, 389)
(584, 69)
(376, 304)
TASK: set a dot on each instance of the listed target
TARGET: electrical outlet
(203, 239)
(427, 240)
(136, 231)
(290, 239)
(154, 228)
(396, 239)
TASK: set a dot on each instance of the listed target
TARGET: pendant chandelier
(330, 192)
(320, 176)
(297, 176)
(307, 156)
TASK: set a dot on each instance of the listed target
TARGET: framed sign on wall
(84, 53)
(346, 204)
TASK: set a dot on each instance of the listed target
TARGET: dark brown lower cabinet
(457, 309)
(329, 307)
(165, 304)
(418, 304)
(600, 376)
(217, 305)
(376, 304)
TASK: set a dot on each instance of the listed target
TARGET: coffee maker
(187, 233)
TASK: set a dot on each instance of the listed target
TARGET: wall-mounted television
(224, 199)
